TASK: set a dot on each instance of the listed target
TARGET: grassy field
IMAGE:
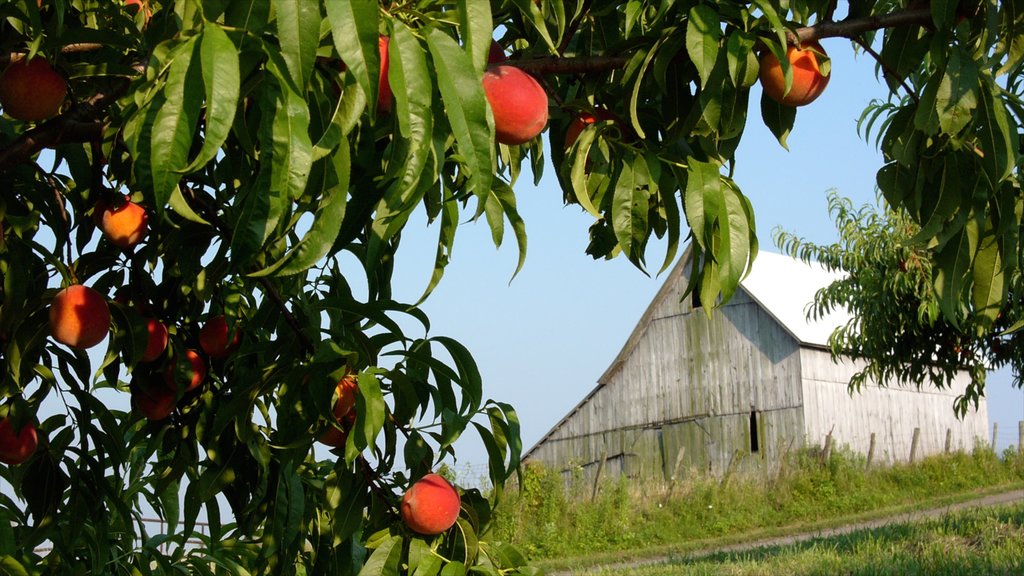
(989, 541)
(562, 528)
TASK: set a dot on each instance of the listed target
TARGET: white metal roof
(785, 288)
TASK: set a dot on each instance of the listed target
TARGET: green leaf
(477, 31)
(903, 52)
(466, 109)
(219, 59)
(410, 78)
(503, 196)
(952, 266)
(703, 33)
(371, 410)
(997, 143)
(468, 373)
(957, 94)
(175, 122)
(385, 559)
(704, 199)
(778, 118)
(630, 207)
(354, 28)
(322, 233)
(346, 117)
(298, 30)
(990, 282)
(533, 14)
(741, 59)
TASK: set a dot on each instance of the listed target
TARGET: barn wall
(891, 412)
(680, 396)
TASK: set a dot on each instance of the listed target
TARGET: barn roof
(783, 286)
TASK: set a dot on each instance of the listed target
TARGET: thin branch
(60, 130)
(82, 123)
(76, 48)
(852, 28)
(886, 69)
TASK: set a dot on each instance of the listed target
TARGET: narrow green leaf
(957, 94)
(371, 411)
(298, 30)
(175, 122)
(221, 78)
(704, 199)
(630, 208)
(465, 108)
(703, 34)
(996, 141)
(990, 282)
(346, 116)
(354, 28)
(319, 240)
(903, 51)
(385, 559)
(477, 31)
(411, 78)
(507, 200)
(741, 59)
(469, 375)
(952, 266)
(778, 118)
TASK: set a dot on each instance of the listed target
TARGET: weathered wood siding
(681, 394)
(890, 412)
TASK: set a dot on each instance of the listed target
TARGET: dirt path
(930, 513)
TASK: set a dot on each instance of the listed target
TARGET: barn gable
(740, 388)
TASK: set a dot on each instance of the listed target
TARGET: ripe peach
(584, 119)
(343, 413)
(79, 317)
(124, 225)
(32, 91)
(384, 95)
(154, 402)
(157, 342)
(140, 5)
(195, 372)
(518, 102)
(17, 446)
(213, 338)
(431, 505)
(808, 81)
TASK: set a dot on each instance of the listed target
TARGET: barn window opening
(754, 440)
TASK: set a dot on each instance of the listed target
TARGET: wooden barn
(742, 388)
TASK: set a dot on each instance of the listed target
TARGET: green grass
(560, 527)
(989, 541)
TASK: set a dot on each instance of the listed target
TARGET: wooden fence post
(913, 444)
(995, 433)
(871, 451)
(827, 452)
(949, 440)
(597, 475)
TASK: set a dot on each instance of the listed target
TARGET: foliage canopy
(253, 133)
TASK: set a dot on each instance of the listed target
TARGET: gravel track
(903, 518)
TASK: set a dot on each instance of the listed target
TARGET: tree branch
(851, 28)
(60, 130)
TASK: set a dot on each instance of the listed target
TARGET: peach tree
(211, 168)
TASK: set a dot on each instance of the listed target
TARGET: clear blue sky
(543, 340)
